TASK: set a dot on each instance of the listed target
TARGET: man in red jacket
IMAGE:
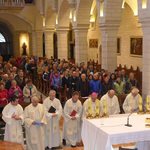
(3, 94)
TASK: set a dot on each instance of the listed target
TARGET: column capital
(51, 31)
(145, 22)
(81, 27)
(109, 26)
(62, 29)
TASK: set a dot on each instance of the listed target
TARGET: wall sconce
(101, 10)
(123, 3)
(70, 16)
(56, 15)
(92, 22)
(135, 12)
(43, 21)
(144, 4)
(74, 15)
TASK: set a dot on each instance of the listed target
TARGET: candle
(105, 106)
(140, 103)
(97, 106)
(147, 102)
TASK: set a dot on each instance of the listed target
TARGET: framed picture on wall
(118, 45)
(93, 43)
(136, 46)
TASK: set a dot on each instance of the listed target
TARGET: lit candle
(140, 103)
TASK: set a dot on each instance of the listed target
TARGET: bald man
(132, 101)
(34, 116)
(112, 103)
(84, 86)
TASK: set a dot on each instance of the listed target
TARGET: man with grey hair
(53, 111)
(112, 103)
(34, 116)
(5, 78)
(132, 101)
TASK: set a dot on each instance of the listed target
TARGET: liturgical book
(73, 113)
(52, 109)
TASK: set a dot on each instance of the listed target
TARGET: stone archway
(6, 48)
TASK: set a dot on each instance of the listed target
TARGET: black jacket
(84, 88)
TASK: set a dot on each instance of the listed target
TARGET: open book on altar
(11, 111)
(73, 113)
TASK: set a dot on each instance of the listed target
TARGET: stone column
(81, 45)
(62, 40)
(39, 43)
(49, 45)
(146, 59)
(109, 47)
(34, 50)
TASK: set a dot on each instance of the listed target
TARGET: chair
(120, 148)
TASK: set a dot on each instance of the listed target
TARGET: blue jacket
(96, 86)
(56, 81)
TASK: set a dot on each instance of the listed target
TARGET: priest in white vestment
(112, 103)
(131, 101)
(12, 114)
(72, 118)
(91, 106)
(53, 110)
(35, 119)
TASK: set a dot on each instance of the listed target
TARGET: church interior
(48, 44)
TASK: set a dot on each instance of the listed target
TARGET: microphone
(129, 125)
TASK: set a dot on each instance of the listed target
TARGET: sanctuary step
(4, 145)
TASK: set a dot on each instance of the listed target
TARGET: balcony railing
(12, 3)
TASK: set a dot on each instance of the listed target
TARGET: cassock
(90, 107)
(131, 102)
(35, 133)
(13, 128)
(112, 105)
(52, 131)
(72, 128)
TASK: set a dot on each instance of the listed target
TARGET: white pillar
(39, 43)
(49, 45)
(81, 45)
(109, 47)
(62, 40)
(146, 59)
(34, 50)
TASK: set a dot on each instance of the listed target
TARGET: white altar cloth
(101, 134)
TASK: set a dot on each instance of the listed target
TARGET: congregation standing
(42, 120)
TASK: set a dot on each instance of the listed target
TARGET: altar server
(34, 116)
(111, 102)
(132, 101)
(72, 116)
(12, 114)
(53, 110)
(91, 106)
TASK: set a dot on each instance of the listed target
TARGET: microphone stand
(129, 125)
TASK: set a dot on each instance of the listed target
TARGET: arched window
(2, 38)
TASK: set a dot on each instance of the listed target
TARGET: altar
(101, 134)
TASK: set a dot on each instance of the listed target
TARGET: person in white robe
(72, 119)
(112, 103)
(91, 106)
(35, 119)
(12, 114)
(52, 131)
(131, 101)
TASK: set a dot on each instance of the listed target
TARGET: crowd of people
(42, 120)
